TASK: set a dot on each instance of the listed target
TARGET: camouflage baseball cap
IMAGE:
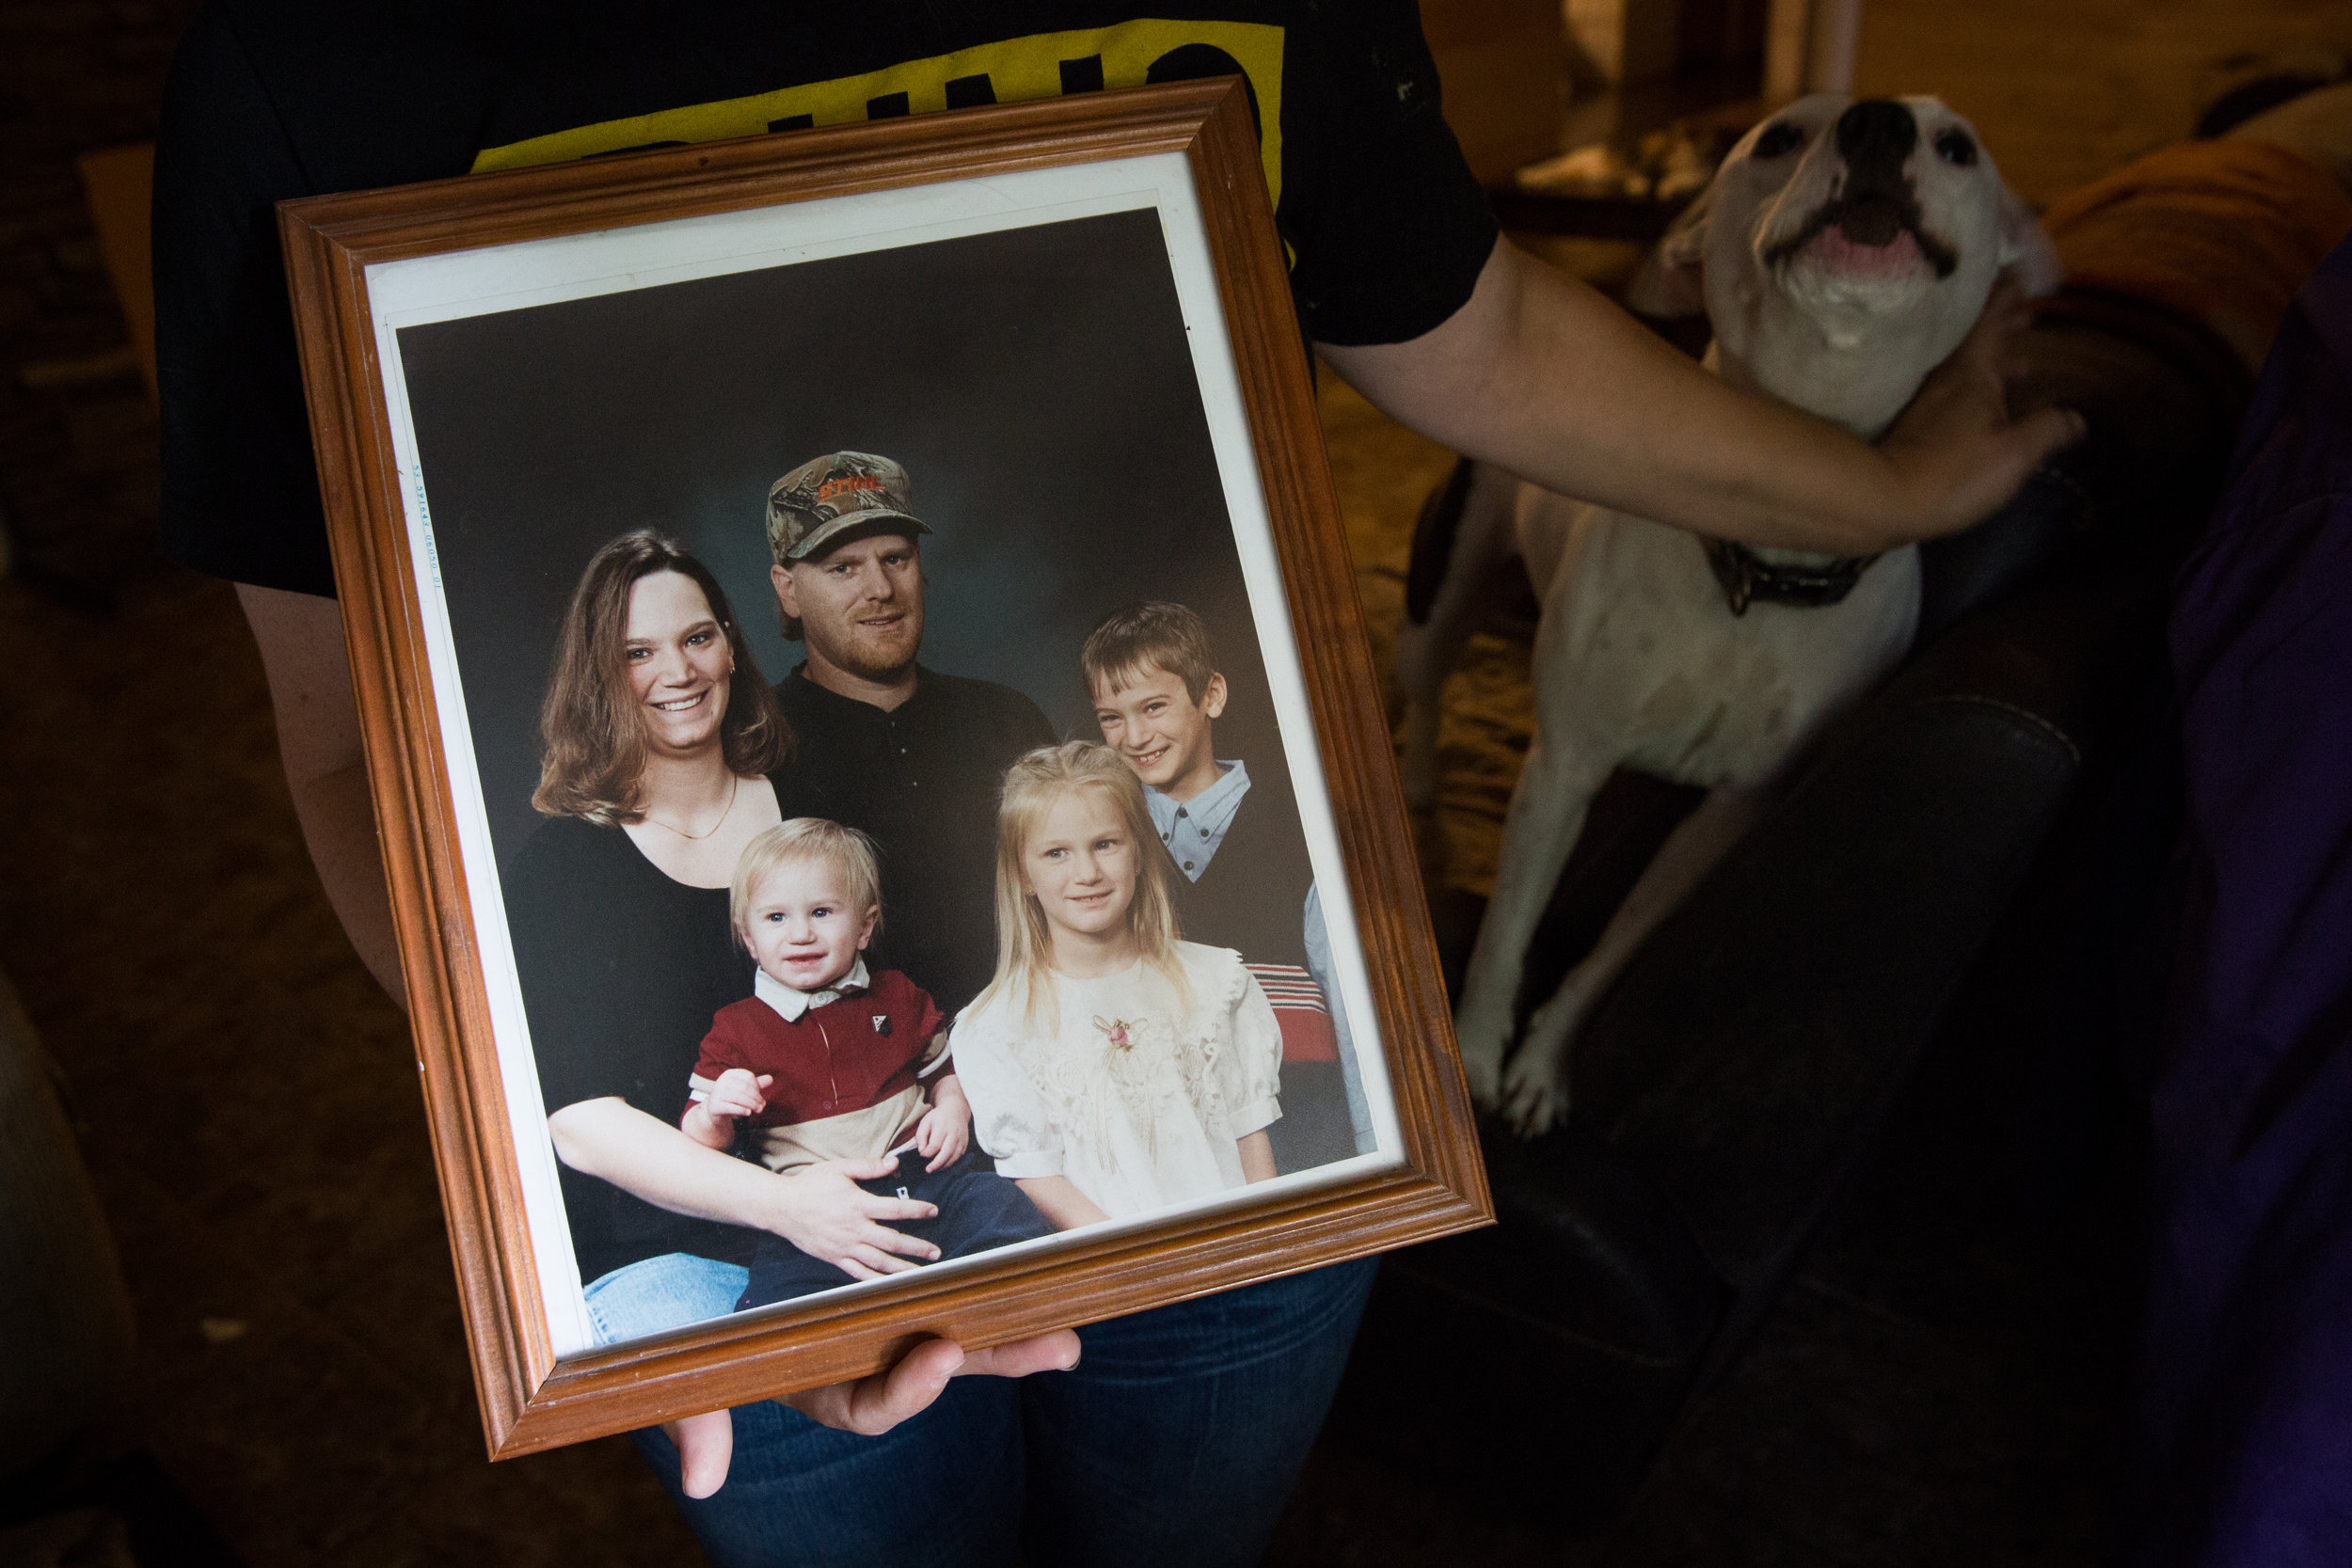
(826, 498)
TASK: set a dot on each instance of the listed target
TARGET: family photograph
(896, 833)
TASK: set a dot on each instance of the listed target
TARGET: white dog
(1842, 251)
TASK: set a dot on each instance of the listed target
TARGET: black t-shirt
(269, 99)
(923, 780)
(622, 970)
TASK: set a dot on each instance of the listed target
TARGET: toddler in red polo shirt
(824, 1061)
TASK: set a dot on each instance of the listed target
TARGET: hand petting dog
(1543, 378)
(1955, 449)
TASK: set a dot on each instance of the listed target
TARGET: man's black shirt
(922, 780)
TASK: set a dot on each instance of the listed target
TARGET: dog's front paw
(1535, 1092)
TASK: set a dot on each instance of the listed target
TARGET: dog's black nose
(1874, 137)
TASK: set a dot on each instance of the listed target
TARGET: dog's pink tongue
(1835, 252)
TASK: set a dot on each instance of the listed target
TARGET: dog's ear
(2025, 251)
(1668, 284)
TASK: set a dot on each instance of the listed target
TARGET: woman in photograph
(662, 751)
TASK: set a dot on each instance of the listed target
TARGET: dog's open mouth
(1866, 232)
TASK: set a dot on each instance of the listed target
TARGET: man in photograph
(909, 754)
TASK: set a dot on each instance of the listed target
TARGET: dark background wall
(1037, 384)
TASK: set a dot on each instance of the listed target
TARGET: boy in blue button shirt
(1244, 880)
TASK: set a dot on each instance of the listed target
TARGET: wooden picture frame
(345, 256)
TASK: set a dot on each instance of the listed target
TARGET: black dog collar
(1747, 577)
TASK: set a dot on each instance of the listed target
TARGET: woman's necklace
(735, 782)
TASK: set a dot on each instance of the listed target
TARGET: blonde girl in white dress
(1112, 1069)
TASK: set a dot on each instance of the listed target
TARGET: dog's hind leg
(1463, 541)
(1535, 1086)
(1547, 813)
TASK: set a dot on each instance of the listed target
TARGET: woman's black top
(621, 968)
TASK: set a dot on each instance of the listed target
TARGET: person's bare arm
(1257, 1156)
(819, 1209)
(735, 1093)
(1058, 1199)
(1543, 378)
(946, 1131)
(301, 639)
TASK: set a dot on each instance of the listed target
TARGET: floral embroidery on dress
(1138, 1079)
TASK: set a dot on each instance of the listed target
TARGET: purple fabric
(2247, 1431)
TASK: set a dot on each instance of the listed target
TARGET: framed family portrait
(887, 803)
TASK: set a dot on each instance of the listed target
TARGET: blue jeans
(1175, 1441)
(657, 1294)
